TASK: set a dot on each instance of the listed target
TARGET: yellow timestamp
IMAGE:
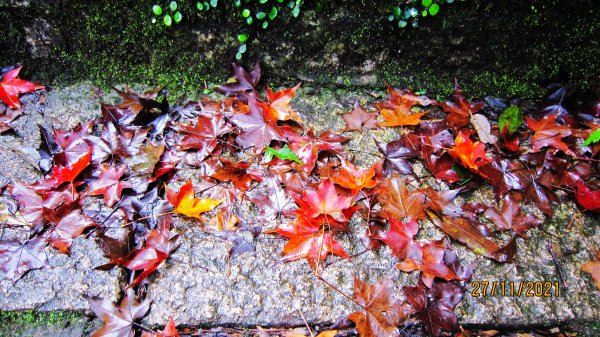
(515, 289)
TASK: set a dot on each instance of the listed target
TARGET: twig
(300, 311)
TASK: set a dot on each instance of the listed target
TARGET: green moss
(25, 323)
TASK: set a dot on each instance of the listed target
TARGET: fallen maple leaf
(325, 201)
(510, 216)
(186, 204)
(18, 258)
(279, 102)
(462, 230)
(109, 184)
(431, 264)
(353, 178)
(69, 227)
(435, 305)
(400, 239)
(310, 239)
(258, 130)
(593, 268)
(380, 315)
(118, 320)
(358, 119)
(460, 111)
(470, 154)
(588, 199)
(549, 133)
(400, 203)
(11, 87)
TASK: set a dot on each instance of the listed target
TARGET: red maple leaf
(325, 201)
(109, 184)
(588, 199)
(147, 259)
(69, 227)
(400, 203)
(400, 239)
(307, 148)
(549, 133)
(353, 178)
(309, 238)
(459, 111)
(435, 305)
(18, 258)
(204, 135)
(11, 87)
(431, 263)
(258, 129)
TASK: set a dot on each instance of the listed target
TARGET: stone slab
(200, 286)
(64, 283)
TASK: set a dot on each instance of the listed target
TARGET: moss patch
(494, 48)
(53, 323)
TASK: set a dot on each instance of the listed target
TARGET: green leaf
(434, 9)
(284, 153)
(593, 138)
(265, 24)
(261, 15)
(262, 1)
(512, 115)
(273, 13)
(249, 20)
(157, 10)
(206, 6)
(402, 23)
(397, 11)
(238, 3)
(177, 17)
(296, 11)
(173, 6)
(238, 56)
(200, 6)
(242, 38)
(426, 3)
(242, 49)
(214, 3)
(246, 12)
(167, 20)
(153, 20)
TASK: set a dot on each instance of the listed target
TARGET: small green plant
(172, 15)
(409, 11)
(256, 14)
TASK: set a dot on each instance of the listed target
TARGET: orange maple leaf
(471, 154)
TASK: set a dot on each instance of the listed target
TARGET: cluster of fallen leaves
(248, 149)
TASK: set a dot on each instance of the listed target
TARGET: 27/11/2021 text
(515, 289)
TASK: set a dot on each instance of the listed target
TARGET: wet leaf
(11, 87)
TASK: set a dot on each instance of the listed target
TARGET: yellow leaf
(328, 333)
(186, 204)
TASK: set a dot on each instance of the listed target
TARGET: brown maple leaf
(593, 268)
(358, 119)
(381, 314)
(118, 320)
(400, 203)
